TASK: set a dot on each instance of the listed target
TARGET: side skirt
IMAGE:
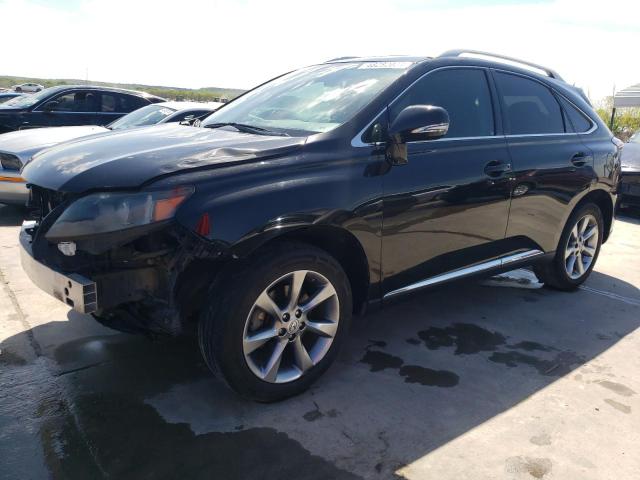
(506, 263)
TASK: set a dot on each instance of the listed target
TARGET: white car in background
(28, 87)
(17, 148)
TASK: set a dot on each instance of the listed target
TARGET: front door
(448, 206)
(77, 107)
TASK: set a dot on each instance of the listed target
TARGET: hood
(631, 157)
(25, 143)
(130, 158)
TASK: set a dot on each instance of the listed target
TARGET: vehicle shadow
(11, 215)
(411, 378)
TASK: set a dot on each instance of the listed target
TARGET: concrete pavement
(486, 380)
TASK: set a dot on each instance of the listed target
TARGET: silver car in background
(17, 148)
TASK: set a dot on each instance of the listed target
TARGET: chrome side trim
(463, 272)
(357, 140)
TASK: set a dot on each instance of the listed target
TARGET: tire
(556, 273)
(19, 90)
(229, 325)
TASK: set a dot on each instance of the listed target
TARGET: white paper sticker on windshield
(395, 65)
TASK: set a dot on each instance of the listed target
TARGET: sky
(240, 43)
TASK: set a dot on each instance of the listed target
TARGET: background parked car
(6, 96)
(630, 182)
(71, 105)
(16, 148)
(28, 87)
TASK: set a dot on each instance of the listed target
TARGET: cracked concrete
(499, 379)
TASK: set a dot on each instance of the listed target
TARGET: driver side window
(462, 92)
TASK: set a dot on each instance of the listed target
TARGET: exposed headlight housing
(109, 212)
(10, 162)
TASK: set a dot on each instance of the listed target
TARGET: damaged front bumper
(77, 291)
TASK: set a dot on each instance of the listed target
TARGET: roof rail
(340, 58)
(457, 53)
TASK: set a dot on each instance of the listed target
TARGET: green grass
(207, 94)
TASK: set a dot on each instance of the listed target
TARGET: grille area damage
(138, 274)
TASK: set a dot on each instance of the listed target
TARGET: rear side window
(462, 92)
(117, 103)
(575, 120)
(529, 106)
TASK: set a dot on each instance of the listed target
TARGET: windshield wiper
(243, 127)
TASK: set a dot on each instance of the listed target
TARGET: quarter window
(529, 106)
(574, 119)
(463, 93)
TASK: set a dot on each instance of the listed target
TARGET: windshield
(149, 115)
(29, 100)
(311, 100)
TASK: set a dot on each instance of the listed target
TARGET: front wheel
(577, 250)
(276, 325)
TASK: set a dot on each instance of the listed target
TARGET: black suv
(334, 187)
(71, 105)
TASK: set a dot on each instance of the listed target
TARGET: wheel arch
(603, 200)
(341, 245)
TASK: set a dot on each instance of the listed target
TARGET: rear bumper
(13, 188)
(77, 291)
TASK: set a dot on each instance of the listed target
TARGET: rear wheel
(277, 324)
(577, 250)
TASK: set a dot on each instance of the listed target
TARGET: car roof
(104, 89)
(387, 58)
(177, 106)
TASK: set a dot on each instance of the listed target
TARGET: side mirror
(419, 122)
(50, 106)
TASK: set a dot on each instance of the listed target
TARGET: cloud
(244, 42)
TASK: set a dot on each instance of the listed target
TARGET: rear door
(551, 164)
(114, 105)
(447, 208)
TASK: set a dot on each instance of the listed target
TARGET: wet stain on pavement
(10, 358)
(413, 341)
(621, 407)
(428, 376)
(377, 343)
(536, 467)
(378, 361)
(148, 447)
(541, 440)
(467, 338)
(618, 388)
(531, 346)
(562, 364)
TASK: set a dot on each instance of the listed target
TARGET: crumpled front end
(127, 280)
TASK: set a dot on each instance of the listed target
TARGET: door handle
(496, 168)
(580, 159)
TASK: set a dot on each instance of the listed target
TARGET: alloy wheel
(581, 247)
(291, 326)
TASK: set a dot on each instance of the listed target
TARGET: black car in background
(330, 188)
(71, 105)
(630, 182)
